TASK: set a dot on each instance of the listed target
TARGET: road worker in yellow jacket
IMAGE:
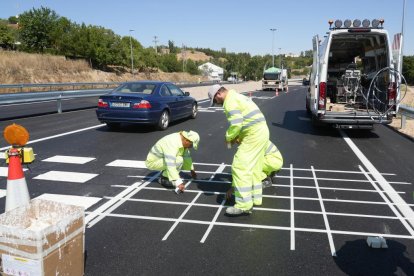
(170, 155)
(273, 162)
(247, 127)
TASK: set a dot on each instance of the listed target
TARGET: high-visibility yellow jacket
(242, 114)
(170, 149)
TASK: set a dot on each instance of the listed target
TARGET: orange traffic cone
(17, 192)
(277, 92)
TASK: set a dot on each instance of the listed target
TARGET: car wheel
(164, 120)
(194, 111)
(113, 125)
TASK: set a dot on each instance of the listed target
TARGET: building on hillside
(212, 71)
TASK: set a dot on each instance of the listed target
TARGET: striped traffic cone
(277, 92)
(17, 192)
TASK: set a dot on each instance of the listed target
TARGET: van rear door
(314, 81)
(398, 60)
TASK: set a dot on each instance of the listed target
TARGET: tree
(6, 36)
(408, 69)
(37, 29)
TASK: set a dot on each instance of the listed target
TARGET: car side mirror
(187, 93)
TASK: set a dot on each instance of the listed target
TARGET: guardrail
(405, 111)
(58, 96)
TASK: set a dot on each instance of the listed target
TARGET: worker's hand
(193, 174)
(229, 193)
(181, 187)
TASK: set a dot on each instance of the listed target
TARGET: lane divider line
(402, 206)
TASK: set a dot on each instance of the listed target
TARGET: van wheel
(307, 107)
(164, 120)
(316, 122)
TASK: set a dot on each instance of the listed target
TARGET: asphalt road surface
(336, 189)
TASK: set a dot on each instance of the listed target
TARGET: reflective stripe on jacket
(242, 114)
(168, 148)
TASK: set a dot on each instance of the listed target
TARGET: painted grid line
(403, 221)
(258, 208)
(109, 206)
(325, 218)
(181, 217)
(292, 211)
(258, 226)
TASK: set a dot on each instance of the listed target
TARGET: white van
(353, 83)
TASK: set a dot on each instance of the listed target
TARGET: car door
(170, 100)
(182, 102)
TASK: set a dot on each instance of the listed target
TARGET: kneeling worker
(171, 154)
(272, 164)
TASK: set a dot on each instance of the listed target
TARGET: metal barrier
(58, 96)
(405, 111)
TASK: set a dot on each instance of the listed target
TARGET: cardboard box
(42, 238)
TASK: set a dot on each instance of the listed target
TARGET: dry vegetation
(18, 67)
(193, 55)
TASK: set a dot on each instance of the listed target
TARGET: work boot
(165, 182)
(267, 182)
(235, 212)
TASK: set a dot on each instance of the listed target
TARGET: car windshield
(143, 88)
(271, 76)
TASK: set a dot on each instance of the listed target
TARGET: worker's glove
(193, 174)
(178, 182)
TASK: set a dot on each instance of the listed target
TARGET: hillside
(20, 67)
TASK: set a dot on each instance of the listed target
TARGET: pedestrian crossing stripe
(5, 170)
(69, 159)
(81, 201)
(66, 176)
(127, 164)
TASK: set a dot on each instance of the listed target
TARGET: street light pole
(280, 57)
(273, 45)
(132, 57)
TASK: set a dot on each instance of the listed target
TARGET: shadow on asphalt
(356, 258)
(300, 121)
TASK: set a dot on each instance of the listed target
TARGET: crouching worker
(272, 164)
(170, 155)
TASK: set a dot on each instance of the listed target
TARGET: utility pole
(155, 43)
(132, 57)
(273, 45)
(183, 56)
(280, 58)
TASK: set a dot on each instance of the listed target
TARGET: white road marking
(255, 208)
(69, 159)
(82, 201)
(58, 135)
(181, 217)
(4, 171)
(114, 203)
(325, 217)
(127, 164)
(402, 206)
(258, 226)
(210, 227)
(66, 176)
(292, 211)
(407, 226)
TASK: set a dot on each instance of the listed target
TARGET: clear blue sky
(239, 26)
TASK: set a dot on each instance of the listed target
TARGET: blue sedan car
(145, 102)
